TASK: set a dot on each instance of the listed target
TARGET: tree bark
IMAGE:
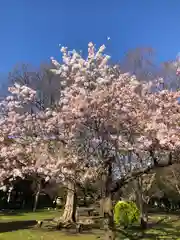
(108, 219)
(69, 214)
(140, 203)
(38, 191)
(107, 202)
(9, 195)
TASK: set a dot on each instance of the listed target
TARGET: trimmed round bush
(126, 213)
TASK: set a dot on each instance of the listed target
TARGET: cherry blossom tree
(24, 154)
(102, 116)
(117, 113)
(39, 132)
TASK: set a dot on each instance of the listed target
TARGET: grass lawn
(20, 215)
(40, 235)
(19, 233)
(167, 229)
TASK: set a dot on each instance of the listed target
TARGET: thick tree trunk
(69, 214)
(144, 220)
(108, 219)
(38, 191)
(107, 202)
(141, 204)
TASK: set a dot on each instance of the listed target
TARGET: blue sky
(30, 30)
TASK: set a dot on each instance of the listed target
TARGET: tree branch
(136, 173)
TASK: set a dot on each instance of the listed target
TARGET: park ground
(13, 226)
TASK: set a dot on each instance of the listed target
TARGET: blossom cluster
(100, 110)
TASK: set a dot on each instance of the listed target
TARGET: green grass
(20, 215)
(40, 235)
(169, 228)
(36, 234)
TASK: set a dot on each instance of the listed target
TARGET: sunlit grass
(169, 228)
(20, 215)
(37, 234)
(41, 235)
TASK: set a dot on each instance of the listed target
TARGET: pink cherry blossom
(99, 108)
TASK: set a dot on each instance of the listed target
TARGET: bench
(90, 210)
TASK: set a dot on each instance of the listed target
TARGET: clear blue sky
(30, 30)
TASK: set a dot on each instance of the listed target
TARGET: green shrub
(126, 213)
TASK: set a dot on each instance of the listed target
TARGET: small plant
(126, 213)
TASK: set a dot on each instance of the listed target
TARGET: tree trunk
(141, 204)
(38, 191)
(144, 220)
(69, 214)
(108, 219)
(107, 202)
(9, 195)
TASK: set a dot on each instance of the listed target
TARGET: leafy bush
(126, 213)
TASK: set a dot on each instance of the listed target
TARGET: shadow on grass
(18, 225)
(96, 231)
(158, 231)
(164, 228)
(155, 231)
(164, 212)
